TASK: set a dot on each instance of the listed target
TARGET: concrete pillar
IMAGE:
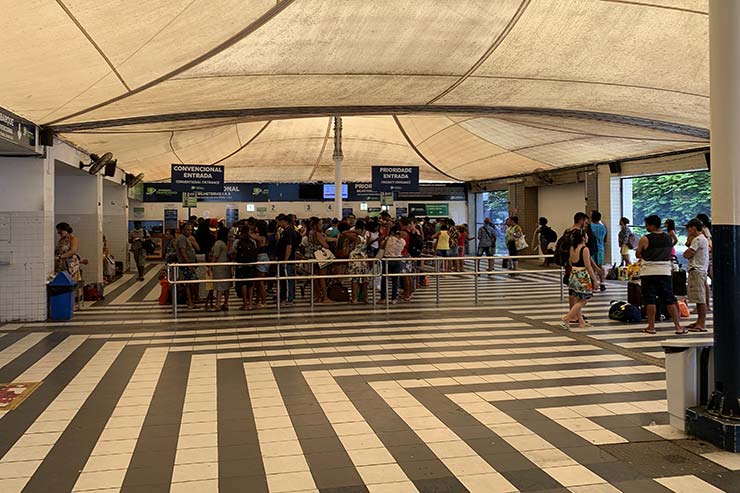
(115, 218)
(79, 202)
(719, 422)
(27, 236)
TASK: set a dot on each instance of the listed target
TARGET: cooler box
(61, 297)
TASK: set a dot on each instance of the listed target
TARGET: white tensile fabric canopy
(466, 89)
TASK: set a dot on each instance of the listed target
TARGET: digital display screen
(329, 190)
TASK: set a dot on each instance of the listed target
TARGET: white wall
(558, 203)
(26, 237)
(115, 219)
(78, 200)
(155, 211)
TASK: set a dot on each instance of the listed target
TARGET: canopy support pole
(719, 421)
(338, 158)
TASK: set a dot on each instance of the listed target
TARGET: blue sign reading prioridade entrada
(395, 178)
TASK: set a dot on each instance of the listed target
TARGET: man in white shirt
(698, 266)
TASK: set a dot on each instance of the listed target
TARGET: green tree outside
(678, 196)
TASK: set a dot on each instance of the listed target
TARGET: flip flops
(649, 331)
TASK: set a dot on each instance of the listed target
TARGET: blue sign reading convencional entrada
(197, 178)
(395, 178)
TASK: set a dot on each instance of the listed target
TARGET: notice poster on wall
(170, 219)
(232, 216)
(347, 211)
(401, 212)
(197, 178)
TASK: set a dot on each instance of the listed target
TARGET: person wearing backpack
(547, 239)
(627, 241)
(581, 281)
(487, 242)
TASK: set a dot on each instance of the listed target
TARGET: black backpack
(548, 234)
(246, 251)
(562, 250)
(416, 245)
(624, 312)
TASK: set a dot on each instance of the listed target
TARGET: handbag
(338, 292)
(520, 243)
(323, 256)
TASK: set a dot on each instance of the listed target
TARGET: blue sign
(232, 192)
(238, 192)
(160, 192)
(197, 178)
(395, 178)
(401, 211)
(362, 192)
(284, 192)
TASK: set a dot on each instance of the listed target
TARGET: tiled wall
(85, 228)
(114, 228)
(31, 258)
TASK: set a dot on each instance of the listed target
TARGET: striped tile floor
(416, 397)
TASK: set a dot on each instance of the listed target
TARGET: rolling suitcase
(634, 294)
(679, 278)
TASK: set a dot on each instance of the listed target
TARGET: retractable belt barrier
(378, 268)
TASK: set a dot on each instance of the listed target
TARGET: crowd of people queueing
(260, 242)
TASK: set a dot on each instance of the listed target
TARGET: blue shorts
(443, 253)
(598, 257)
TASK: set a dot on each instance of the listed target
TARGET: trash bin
(61, 297)
(689, 368)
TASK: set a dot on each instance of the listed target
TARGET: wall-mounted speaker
(615, 168)
(46, 137)
(110, 168)
(708, 159)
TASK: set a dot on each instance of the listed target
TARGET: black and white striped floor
(417, 397)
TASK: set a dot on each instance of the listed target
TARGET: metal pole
(387, 285)
(174, 294)
(475, 276)
(371, 282)
(562, 286)
(279, 288)
(436, 278)
(312, 286)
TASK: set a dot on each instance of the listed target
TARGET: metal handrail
(372, 273)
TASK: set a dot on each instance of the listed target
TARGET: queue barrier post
(562, 286)
(475, 281)
(277, 289)
(174, 293)
(436, 278)
(311, 287)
